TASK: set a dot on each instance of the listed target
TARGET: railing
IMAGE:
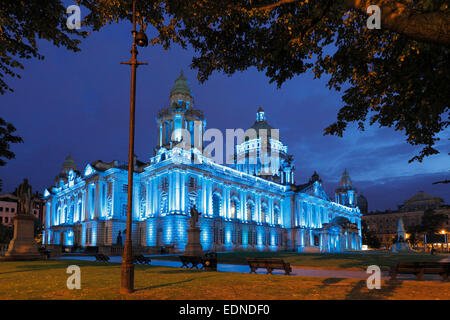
(55, 250)
(111, 250)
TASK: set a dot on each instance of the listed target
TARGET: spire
(181, 92)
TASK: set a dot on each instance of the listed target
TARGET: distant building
(411, 211)
(8, 208)
(421, 202)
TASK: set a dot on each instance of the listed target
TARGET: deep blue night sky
(78, 103)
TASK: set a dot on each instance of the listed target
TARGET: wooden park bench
(142, 260)
(421, 268)
(101, 257)
(45, 254)
(269, 264)
(191, 262)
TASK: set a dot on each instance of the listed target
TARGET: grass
(47, 280)
(357, 260)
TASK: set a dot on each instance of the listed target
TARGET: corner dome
(346, 181)
(68, 164)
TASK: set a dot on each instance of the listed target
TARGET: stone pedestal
(23, 246)
(193, 247)
(401, 247)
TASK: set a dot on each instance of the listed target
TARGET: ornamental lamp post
(444, 232)
(127, 267)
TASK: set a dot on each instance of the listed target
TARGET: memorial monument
(401, 244)
(194, 247)
(23, 246)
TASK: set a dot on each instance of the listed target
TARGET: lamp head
(141, 39)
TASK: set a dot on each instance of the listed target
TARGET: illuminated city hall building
(241, 206)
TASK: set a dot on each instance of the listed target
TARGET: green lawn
(47, 280)
(357, 260)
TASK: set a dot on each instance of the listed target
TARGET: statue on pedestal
(194, 217)
(24, 198)
(194, 247)
(23, 246)
(119, 241)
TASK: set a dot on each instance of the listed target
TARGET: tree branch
(275, 5)
(398, 17)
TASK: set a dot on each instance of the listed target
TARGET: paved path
(305, 272)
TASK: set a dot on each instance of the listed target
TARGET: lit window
(216, 205)
(234, 208)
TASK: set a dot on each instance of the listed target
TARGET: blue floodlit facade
(242, 207)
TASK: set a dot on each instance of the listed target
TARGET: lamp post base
(127, 278)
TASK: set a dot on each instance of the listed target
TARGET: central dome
(181, 92)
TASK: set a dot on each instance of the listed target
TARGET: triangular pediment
(89, 170)
(315, 189)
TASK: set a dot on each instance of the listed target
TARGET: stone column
(209, 196)
(228, 202)
(171, 192)
(271, 210)
(241, 205)
(155, 195)
(182, 181)
(258, 207)
(86, 202)
(204, 207)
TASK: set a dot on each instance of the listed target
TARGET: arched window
(64, 218)
(58, 215)
(251, 212)
(276, 213)
(192, 197)
(217, 205)
(192, 182)
(265, 216)
(79, 210)
(234, 208)
(71, 214)
(164, 204)
(164, 184)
